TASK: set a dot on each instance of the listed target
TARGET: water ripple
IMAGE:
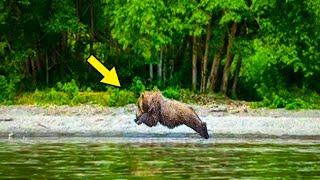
(159, 159)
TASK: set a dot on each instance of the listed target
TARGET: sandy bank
(93, 121)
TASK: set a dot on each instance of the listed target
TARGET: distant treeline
(253, 50)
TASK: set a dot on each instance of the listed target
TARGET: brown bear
(154, 108)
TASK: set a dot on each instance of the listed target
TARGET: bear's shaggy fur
(154, 108)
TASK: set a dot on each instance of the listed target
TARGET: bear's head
(203, 131)
(143, 104)
(139, 111)
(147, 101)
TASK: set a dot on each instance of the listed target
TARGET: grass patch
(51, 96)
(111, 97)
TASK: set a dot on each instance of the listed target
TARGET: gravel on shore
(96, 121)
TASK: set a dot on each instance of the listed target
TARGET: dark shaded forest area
(266, 51)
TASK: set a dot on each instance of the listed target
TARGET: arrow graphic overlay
(109, 77)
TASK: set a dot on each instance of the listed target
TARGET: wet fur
(154, 108)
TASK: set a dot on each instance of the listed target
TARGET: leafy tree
(254, 50)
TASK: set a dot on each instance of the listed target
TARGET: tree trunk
(63, 41)
(78, 34)
(160, 65)
(47, 68)
(91, 25)
(226, 70)
(194, 63)
(205, 58)
(38, 58)
(151, 71)
(164, 66)
(171, 64)
(53, 57)
(236, 77)
(33, 71)
(27, 66)
(213, 77)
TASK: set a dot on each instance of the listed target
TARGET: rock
(218, 109)
(10, 135)
(234, 111)
(6, 119)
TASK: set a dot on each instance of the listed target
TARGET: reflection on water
(159, 159)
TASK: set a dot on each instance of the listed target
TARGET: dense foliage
(265, 51)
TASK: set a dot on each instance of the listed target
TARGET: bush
(295, 99)
(51, 97)
(121, 98)
(278, 102)
(70, 88)
(63, 94)
(137, 86)
(7, 88)
(173, 93)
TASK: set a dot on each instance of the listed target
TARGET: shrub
(51, 97)
(7, 88)
(70, 88)
(173, 93)
(295, 99)
(121, 98)
(278, 102)
(137, 86)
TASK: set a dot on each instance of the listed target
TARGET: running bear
(154, 108)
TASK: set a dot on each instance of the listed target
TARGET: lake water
(159, 158)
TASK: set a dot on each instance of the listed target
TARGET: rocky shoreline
(95, 121)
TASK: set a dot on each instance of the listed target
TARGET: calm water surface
(143, 158)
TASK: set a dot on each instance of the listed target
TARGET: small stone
(6, 119)
(234, 111)
(218, 109)
(10, 134)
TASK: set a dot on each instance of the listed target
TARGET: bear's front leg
(142, 119)
(148, 120)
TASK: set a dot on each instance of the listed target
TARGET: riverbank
(96, 121)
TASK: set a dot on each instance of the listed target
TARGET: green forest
(265, 52)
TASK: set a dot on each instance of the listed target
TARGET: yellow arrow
(110, 77)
